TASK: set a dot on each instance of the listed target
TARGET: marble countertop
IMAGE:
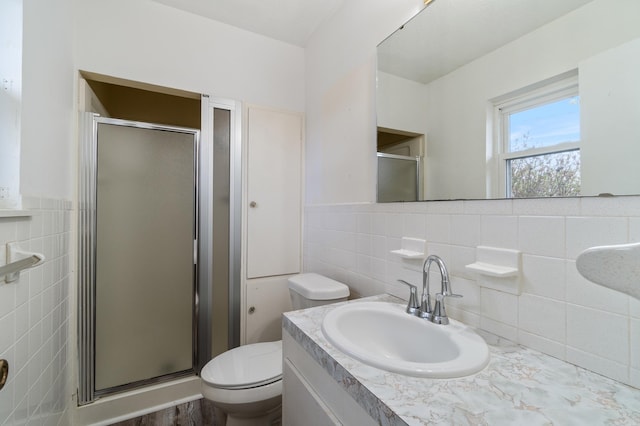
(519, 386)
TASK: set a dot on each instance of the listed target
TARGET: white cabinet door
(267, 299)
(311, 396)
(301, 404)
(274, 182)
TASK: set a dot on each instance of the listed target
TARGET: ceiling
(291, 21)
(448, 34)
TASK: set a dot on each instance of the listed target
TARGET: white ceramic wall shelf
(498, 269)
(492, 270)
(411, 248)
(616, 267)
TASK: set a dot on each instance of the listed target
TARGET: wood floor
(194, 413)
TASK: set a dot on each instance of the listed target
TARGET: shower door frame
(87, 257)
(205, 251)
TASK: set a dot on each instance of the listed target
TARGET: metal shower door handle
(4, 372)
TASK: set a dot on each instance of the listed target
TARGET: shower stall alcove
(158, 288)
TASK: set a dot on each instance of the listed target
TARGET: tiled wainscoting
(558, 313)
(34, 317)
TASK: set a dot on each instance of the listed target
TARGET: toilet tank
(311, 289)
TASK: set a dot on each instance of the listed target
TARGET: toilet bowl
(245, 383)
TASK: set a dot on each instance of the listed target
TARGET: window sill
(15, 213)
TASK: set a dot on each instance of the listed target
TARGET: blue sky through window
(545, 125)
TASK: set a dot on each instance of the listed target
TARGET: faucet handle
(413, 306)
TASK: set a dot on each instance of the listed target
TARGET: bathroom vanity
(323, 386)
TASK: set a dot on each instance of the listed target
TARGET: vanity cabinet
(310, 396)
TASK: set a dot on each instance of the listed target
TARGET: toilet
(245, 383)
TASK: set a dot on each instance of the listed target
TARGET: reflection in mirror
(10, 102)
(400, 156)
(398, 178)
(517, 99)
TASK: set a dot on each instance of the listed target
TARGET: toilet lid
(317, 287)
(246, 366)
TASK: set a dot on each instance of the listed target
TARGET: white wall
(401, 103)
(48, 118)
(340, 105)
(149, 42)
(609, 90)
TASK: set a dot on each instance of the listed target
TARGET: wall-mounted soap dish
(492, 270)
(497, 269)
(411, 248)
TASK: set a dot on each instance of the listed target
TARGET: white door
(274, 181)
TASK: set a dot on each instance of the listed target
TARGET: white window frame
(545, 92)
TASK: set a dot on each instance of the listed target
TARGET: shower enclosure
(156, 263)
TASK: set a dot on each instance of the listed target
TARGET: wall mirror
(503, 98)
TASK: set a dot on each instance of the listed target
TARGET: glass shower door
(144, 296)
(398, 178)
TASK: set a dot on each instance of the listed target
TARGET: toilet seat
(245, 367)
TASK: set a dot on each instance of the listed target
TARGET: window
(539, 141)
(10, 102)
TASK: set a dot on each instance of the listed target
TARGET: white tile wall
(34, 317)
(540, 276)
(559, 312)
(542, 316)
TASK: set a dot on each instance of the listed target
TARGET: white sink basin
(385, 336)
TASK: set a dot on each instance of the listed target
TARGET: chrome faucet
(438, 314)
